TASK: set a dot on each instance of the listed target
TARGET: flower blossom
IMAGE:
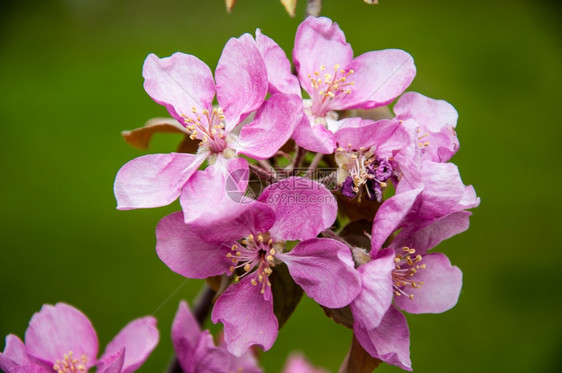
(333, 79)
(197, 353)
(61, 339)
(251, 245)
(185, 86)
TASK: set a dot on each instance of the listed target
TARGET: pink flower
(197, 352)
(333, 78)
(297, 363)
(185, 86)
(436, 119)
(61, 339)
(251, 245)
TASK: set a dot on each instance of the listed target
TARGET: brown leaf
(140, 137)
(290, 6)
(358, 360)
(286, 293)
(230, 5)
(341, 316)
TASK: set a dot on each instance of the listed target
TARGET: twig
(313, 8)
(317, 158)
(261, 173)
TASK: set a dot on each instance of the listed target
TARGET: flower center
(365, 173)
(422, 144)
(255, 252)
(406, 267)
(69, 364)
(327, 87)
(207, 127)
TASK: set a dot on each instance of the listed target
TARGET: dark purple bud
(347, 188)
(384, 169)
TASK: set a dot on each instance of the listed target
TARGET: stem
(261, 173)
(201, 308)
(299, 156)
(313, 8)
(317, 158)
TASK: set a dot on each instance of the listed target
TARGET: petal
(390, 341)
(364, 133)
(379, 77)
(443, 189)
(272, 127)
(390, 215)
(430, 114)
(298, 364)
(185, 251)
(247, 316)
(138, 338)
(241, 79)
(376, 294)
(180, 82)
(30, 368)
(303, 207)
(279, 74)
(194, 349)
(319, 42)
(59, 329)
(428, 237)
(313, 136)
(154, 180)
(325, 270)
(441, 287)
(112, 363)
(14, 353)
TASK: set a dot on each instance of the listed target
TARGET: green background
(70, 76)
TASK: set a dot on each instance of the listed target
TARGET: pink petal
(428, 113)
(390, 341)
(325, 270)
(112, 363)
(319, 42)
(247, 316)
(303, 208)
(390, 215)
(138, 338)
(186, 252)
(154, 180)
(441, 287)
(298, 364)
(194, 349)
(279, 74)
(272, 127)
(364, 133)
(443, 189)
(30, 368)
(180, 82)
(14, 353)
(57, 330)
(376, 294)
(379, 77)
(313, 136)
(428, 237)
(241, 79)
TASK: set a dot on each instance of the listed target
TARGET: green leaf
(286, 293)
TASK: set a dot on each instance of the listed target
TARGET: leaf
(358, 360)
(341, 316)
(290, 6)
(230, 5)
(140, 137)
(286, 293)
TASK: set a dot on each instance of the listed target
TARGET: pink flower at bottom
(61, 339)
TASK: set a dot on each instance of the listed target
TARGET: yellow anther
(205, 111)
(270, 241)
(234, 247)
(262, 291)
(193, 109)
(411, 296)
(323, 67)
(418, 258)
(250, 237)
(267, 271)
(321, 93)
(406, 249)
(254, 282)
(247, 267)
(397, 293)
(316, 73)
(411, 251)
(229, 255)
(260, 237)
(337, 67)
(396, 260)
(269, 258)
(348, 91)
(272, 251)
(234, 260)
(331, 94)
(238, 253)
(260, 278)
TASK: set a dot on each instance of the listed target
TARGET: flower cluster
(392, 177)
(262, 226)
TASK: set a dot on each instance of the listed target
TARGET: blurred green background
(70, 72)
